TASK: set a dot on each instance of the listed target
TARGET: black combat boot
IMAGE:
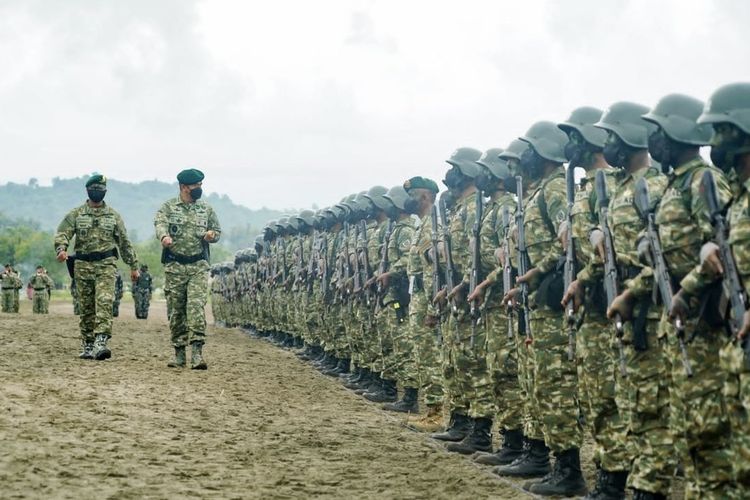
(609, 485)
(341, 366)
(512, 449)
(362, 379)
(647, 495)
(566, 479)
(299, 343)
(387, 392)
(533, 462)
(354, 374)
(370, 386)
(479, 439)
(196, 356)
(458, 428)
(101, 350)
(409, 403)
(180, 359)
(87, 350)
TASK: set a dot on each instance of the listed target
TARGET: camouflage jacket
(186, 224)
(98, 229)
(460, 224)
(41, 282)
(398, 256)
(545, 210)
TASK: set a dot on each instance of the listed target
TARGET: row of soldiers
(546, 307)
(40, 286)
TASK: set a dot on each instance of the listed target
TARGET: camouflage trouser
(649, 437)
(555, 397)
(532, 425)
(382, 339)
(468, 383)
(699, 404)
(187, 286)
(597, 371)
(9, 300)
(370, 340)
(502, 360)
(40, 302)
(397, 331)
(116, 307)
(426, 353)
(142, 303)
(737, 396)
(96, 292)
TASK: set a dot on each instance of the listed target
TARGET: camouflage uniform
(10, 286)
(554, 397)
(699, 411)
(650, 441)
(596, 354)
(42, 284)
(97, 231)
(142, 290)
(186, 284)
(426, 353)
(74, 295)
(118, 294)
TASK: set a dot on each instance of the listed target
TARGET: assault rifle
(384, 264)
(314, 254)
(731, 278)
(523, 261)
(476, 262)
(570, 263)
(366, 269)
(357, 274)
(507, 269)
(659, 264)
(611, 279)
(449, 269)
(436, 285)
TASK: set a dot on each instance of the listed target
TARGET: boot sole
(106, 354)
(201, 366)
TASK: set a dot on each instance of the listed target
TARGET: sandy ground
(257, 424)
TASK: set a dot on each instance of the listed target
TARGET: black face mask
(487, 182)
(510, 185)
(617, 153)
(728, 143)
(454, 179)
(532, 165)
(580, 154)
(96, 195)
(411, 206)
(196, 193)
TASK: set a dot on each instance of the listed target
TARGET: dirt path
(257, 424)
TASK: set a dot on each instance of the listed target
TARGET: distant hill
(136, 202)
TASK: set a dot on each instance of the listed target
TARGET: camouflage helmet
(624, 119)
(497, 167)
(582, 120)
(514, 150)
(465, 159)
(307, 217)
(375, 195)
(398, 196)
(729, 104)
(547, 140)
(676, 114)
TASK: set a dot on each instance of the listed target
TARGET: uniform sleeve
(402, 251)
(213, 224)
(161, 224)
(65, 232)
(557, 211)
(124, 244)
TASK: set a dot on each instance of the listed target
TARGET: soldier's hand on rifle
(511, 296)
(596, 238)
(680, 306)
(134, 275)
(370, 282)
(384, 279)
(710, 261)
(562, 234)
(644, 252)
(478, 293)
(210, 235)
(439, 298)
(531, 277)
(745, 328)
(622, 305)
(574, 293)
(456, 290)
(61, 257)
(166, 241)
(500, 256)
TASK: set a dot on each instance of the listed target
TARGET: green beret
(97, 179)
(421, 183)
(190, 176)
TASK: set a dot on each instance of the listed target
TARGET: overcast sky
(289, 103)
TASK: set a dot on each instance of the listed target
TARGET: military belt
(9, 288)
(96, 256)
(170, 256)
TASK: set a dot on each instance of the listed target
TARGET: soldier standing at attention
(118, 294)
(142, 290)
(42, 284)
(99, 231)
(10, 284)
(185, 226)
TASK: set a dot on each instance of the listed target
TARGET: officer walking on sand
(185, 226)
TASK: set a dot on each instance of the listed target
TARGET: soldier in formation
(42, 286)
(11, 283)
(545, 302)
(119, 290)
(142, 290)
